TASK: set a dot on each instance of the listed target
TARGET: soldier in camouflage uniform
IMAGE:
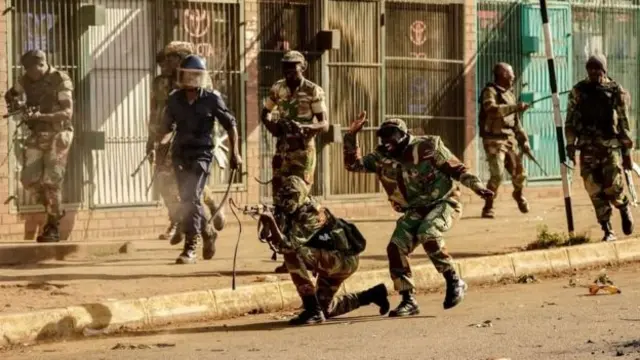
(297, 102)
(313, 241)
(418, 175)
(502, 133)
(163, 84)
(598, 126)
(51, 134)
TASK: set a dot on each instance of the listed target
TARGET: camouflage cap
(293, 57)
(292, 193)
(598, 60)
(182, 48)
(393, 123)
(32, 56)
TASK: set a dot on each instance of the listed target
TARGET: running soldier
(191, 112)
(598, 126)
(50, 134)
(163, 84)
(418, 176)
(502, 133)
(297, 102)
(317, 241)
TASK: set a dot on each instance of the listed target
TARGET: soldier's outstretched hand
(358, 123)
(523, 106)
(485, 193)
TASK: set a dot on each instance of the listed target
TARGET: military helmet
(192, 72)
(31, 57)
(393, 123)
(179, 48)
(597, 60)
(293, 56)
(292, 194)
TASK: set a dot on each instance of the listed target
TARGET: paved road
(546, 320)
(151, 271)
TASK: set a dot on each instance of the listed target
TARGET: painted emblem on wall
(416, 33)
(196, 22)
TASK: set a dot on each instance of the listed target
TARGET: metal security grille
(51, 26)
(285, 25)
(214, 29)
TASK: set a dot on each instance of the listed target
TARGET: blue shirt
(194, 122)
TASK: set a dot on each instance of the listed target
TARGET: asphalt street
(545, 319)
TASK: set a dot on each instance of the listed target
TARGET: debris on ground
(528, 279)
(283, 316)
(486, 323)
(266, 278)
(547, 239)
(601, 283)
(121, 346)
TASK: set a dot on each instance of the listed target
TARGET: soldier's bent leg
(495, 159)
(430, 235)
(276, 184)
(209, 235)
(191, 181)
(208, 199)
(515, 166)
(592, 179)
(613, 188)
(168, 188)
(303, 282)
(54, 169)
(402, 244)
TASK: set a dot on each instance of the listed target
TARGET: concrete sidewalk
(150, 270)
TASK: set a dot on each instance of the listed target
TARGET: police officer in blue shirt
(191, 111)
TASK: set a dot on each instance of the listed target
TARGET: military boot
(177, 236)
(627, 219)
(609, 235)
(209, 237)
(50, 232)
(455, 289)
(377, 295)
(523, 204)
(408, 306)
(188, 255)
(312, 313)
(487, 210)
(170, 232)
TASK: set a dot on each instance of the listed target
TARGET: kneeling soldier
(316, 240)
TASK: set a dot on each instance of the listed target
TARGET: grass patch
(547, 239)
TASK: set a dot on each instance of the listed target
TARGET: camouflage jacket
(46, 94)
(160, 88)
(499, 118)
(304, 224)
(598, 116)
(423, 176)
(301, 106)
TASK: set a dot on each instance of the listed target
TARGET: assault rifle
(628, 175)
(21, 110)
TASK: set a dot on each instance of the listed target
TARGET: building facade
(421, 60)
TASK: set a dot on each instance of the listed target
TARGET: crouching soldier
(316, 240)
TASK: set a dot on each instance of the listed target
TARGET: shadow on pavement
(64, 277)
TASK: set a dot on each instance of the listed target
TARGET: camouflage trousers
(300, 163)
(333, 268)
(44, 166)
(601, 171)
(501, 155)
(424, 228)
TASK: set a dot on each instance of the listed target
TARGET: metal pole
(555, 98)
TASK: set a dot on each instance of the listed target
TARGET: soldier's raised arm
(270, 103)
(319, 109)
(353, 159)
(492, 107)
(624, 129)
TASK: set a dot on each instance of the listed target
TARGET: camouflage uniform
(303, 250)
(598, 126)
(294, 155)
(162, 86)
(48, 142)
(501, 131)
(420, 184)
